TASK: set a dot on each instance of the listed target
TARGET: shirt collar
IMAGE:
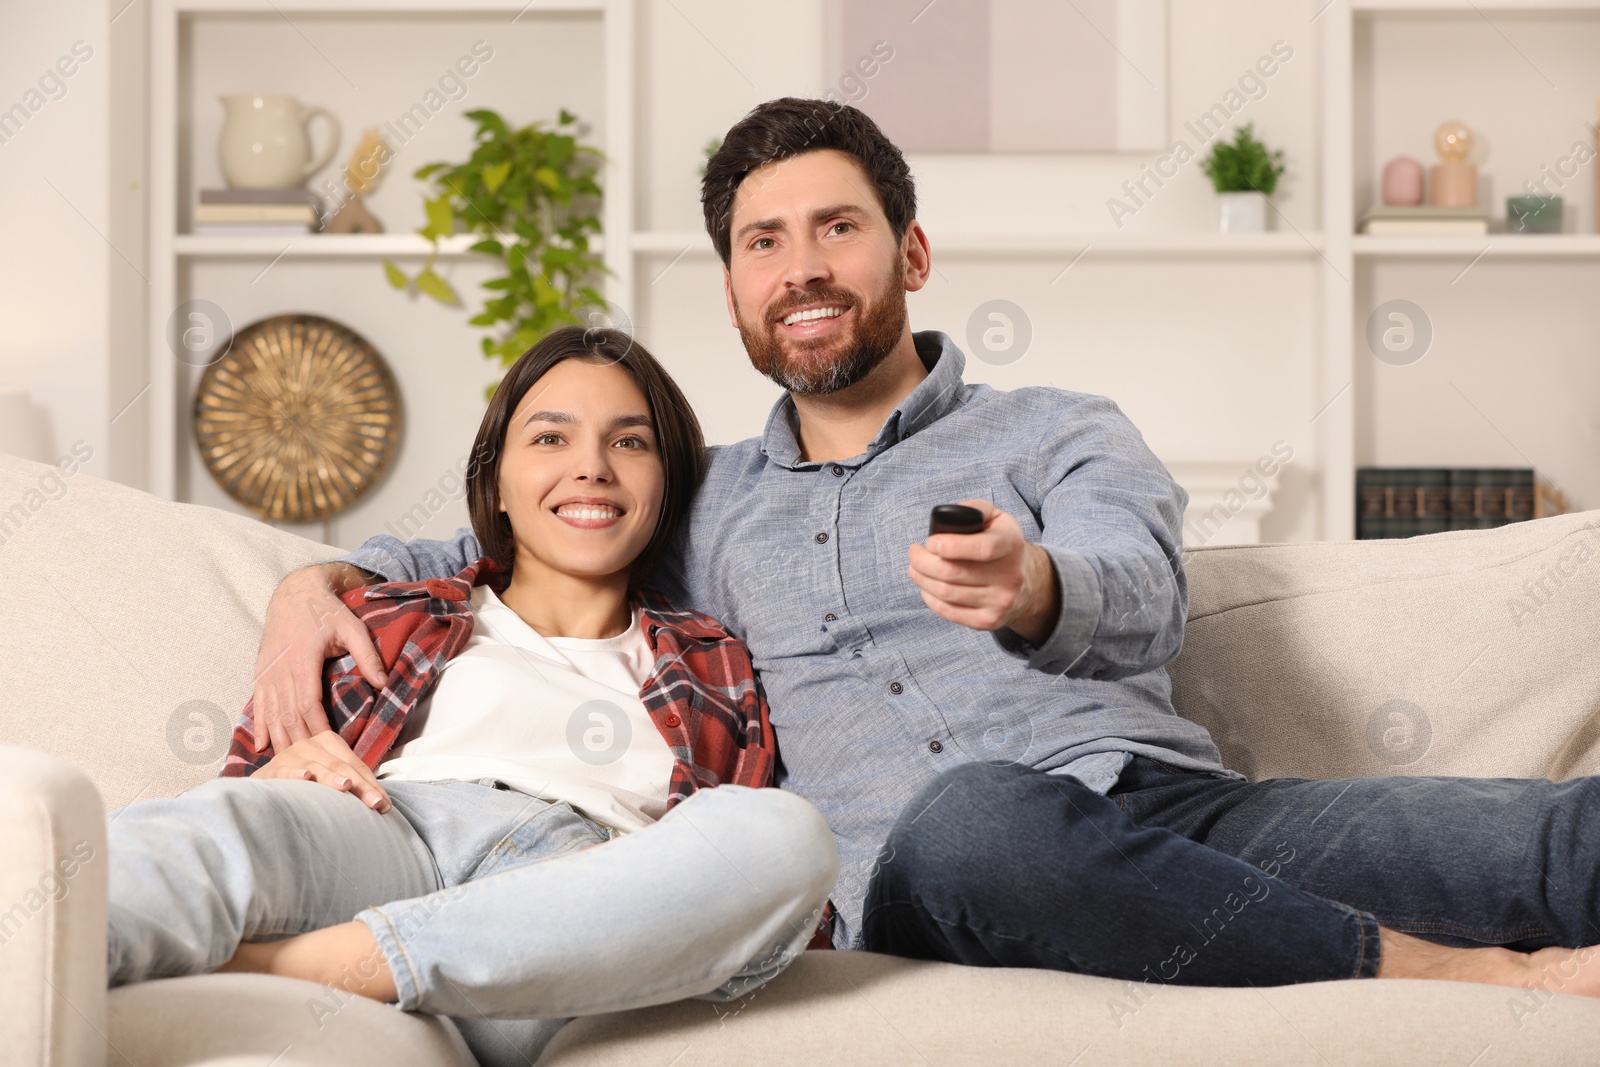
(934, 397)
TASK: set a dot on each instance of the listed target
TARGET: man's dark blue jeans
(1199, 879)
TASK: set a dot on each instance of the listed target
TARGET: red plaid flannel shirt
(703, 694)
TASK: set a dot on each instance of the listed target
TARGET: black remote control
(955, 518)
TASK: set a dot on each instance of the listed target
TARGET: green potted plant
(531, 192)
(1244, 174)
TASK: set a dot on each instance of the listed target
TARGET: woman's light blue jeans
(453, 881)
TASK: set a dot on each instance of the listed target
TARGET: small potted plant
(532, 196)
(1244, 174)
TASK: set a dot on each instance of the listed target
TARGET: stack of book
(1425, 220)
(1405, 501)
(242, 212)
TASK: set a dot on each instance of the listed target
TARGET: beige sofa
(130, 628)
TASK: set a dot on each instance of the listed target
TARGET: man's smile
(817, 321)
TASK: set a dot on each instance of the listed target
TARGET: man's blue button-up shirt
(872, 694)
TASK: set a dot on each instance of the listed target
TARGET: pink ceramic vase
(1402, 181)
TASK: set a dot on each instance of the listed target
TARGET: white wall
(55, 276)
(1213, 359)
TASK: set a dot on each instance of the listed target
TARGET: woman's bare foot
(343, 956)
(1555, 970)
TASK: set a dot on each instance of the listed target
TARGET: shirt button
(896, 688)
(934, 746)
(829, 617)
(838, 471)
(673, 721)
(822, 538)
(443, 589)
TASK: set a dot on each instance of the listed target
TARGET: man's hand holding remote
(989, 580)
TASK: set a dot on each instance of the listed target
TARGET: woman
(535, 706)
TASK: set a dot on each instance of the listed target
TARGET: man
(984, 719)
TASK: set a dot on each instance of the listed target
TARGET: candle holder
(1455, 181)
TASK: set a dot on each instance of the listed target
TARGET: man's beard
(814, 367)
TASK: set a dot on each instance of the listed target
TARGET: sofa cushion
(131, 626)
(1462, 653)
(847, 1008)
(228, 1020)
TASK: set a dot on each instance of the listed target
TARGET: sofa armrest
(53, 880)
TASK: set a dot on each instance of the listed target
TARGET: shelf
(1205, 245)
(516, 8)
(191, 51)
(1475, 7)
(328, 246)
(1520, 246)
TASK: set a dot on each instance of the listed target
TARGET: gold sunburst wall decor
(298, 419)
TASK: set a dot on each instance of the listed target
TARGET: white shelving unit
(333, 246)
(1346, 263)
(1334, 421)
(1351, 260)
(1521, 246)
(172, 252)
(1472, 7)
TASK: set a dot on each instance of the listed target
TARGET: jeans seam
(678, 982)
(507, 844)
(414, 992)
(1369, 944)
(288, 931)
(511, 849)
(187, 970)
(1475, 934)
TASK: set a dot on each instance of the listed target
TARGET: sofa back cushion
(1464, 653)
(130, 626)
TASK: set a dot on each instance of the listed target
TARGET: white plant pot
(1242, 212)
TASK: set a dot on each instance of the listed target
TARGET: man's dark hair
(787, 127)
(677, 433)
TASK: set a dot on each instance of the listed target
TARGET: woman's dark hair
(787, 127)
(677, 432)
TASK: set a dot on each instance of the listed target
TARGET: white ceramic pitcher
(265, 143)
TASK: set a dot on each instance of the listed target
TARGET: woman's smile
(589, 516)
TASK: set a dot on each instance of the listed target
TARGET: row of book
(1406, 501)
(243, 212)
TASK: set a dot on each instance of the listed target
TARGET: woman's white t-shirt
(555, 717)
